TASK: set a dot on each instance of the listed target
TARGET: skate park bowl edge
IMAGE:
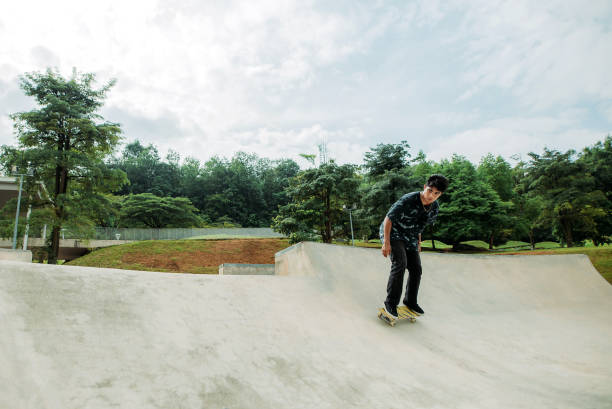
(499, 331)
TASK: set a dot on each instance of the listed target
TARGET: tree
(245, 189)
(190, 182)
(146, 172)
(386, 157)
(148, 210)
(274, 177)
(388, 177)
(597, 162)
(498, 174)
(65, 142)
(573, 204)
(378, 196)
(245, 195)
(317, 196)
(232, 189)
(469, 209)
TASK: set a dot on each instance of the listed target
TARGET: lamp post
(350, 209)
(21, 175)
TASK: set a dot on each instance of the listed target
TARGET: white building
(9, 188)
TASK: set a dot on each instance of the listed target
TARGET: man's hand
(386, 249)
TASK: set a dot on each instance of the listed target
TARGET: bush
(299, 236)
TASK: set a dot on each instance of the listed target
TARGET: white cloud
(344, 146)
(544, 53)
(276, 78)
(451, 119)
(515, 136)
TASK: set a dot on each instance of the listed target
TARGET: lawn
(183, 256)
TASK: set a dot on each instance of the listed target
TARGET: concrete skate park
(499, 332)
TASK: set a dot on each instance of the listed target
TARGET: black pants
(402, 259)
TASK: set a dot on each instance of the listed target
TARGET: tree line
(242, 191)
(77, 179)
(560, 196)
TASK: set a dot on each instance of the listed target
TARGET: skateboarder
(400, 234)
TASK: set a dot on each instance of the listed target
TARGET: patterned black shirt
(408, 219)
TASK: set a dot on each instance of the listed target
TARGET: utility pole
(21, 175)
(350, 209)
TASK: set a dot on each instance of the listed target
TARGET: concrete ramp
(499, 332)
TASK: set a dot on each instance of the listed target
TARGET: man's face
(430, 194)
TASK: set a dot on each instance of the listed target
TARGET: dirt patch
(207, 257)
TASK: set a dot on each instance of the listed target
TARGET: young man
(400, 234)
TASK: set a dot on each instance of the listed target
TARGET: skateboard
(403, 313)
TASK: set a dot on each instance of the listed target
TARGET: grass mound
(183, 256)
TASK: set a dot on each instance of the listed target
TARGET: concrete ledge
(16, 255)
(246, 269)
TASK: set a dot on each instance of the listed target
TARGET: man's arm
(386, 249)
(419, 242)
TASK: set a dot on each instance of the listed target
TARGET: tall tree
(573, 204)
(65, 141)
(597, 162)
(379, 194)
(274, 177)
(317, 196)
(388, 177)
(498, 174)
(529, 206)
(469, 209)
(146, 172)
(386, 157)
(190, 185)
(148, 210)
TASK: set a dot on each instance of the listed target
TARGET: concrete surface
(24, 256)
(499, 332)
(246, 269)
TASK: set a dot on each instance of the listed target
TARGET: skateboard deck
(403, 313)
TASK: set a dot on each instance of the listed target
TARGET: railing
(108, 233)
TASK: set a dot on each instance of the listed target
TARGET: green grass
(439, 245)
(547, 245)
(111, 257)
(184, 256)
(477, 243)
(512, 244)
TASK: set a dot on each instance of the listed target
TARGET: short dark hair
(438, 181)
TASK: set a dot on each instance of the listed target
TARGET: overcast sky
(278, 77)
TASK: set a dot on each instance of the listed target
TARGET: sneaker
(416, 308)
(392, 311)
